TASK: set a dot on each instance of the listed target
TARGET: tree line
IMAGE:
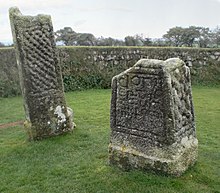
(68, 37)
(191, 36)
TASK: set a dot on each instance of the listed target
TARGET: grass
(78, 162)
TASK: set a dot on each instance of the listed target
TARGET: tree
(141, 40)
(101, 41)
(130, 41)
(159, 42)
(189, 35)
(215, 37)
(179, 36)
(174, 36)
(137, 40)
(85, 39)
(66, 35)
(109, 42)
(70, 38)
(205, 36)
(147, 42)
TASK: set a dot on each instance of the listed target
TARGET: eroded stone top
(15, 12)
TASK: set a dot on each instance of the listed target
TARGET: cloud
(32, 4)
(119, 9)
(116, 18)
(79, 22)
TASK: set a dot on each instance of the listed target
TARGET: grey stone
(152, 118)
(217, 53)
(213, 57)
(40, 76)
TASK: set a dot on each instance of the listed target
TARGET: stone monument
(40, 76)
(152, 118)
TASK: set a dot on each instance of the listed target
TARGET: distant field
(78, 162)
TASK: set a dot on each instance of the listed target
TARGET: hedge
(94, 67)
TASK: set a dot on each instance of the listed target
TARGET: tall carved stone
(40, 76)
(152, 118)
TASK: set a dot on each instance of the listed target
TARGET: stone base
(183, 156)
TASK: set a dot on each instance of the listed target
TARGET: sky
(116, 18)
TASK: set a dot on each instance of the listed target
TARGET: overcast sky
(116, 18)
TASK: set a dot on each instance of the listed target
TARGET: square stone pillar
(40, 76)
(152, 118)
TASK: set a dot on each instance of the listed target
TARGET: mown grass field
(78, 162)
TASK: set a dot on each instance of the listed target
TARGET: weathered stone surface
(40, 75)
(152, 117)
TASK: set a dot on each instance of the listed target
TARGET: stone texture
(40, 75)
(152, 118)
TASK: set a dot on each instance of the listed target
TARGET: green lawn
(78, 162)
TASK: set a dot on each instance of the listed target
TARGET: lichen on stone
(152, 118)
